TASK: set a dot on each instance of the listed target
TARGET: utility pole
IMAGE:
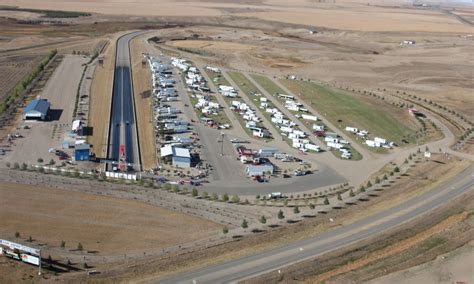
(222, 143)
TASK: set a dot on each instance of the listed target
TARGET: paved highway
(123, 129)
(274, 259)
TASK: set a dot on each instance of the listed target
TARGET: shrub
(311, 206)
(195, 192)
(225, 230)
(225, 197)
(263, 220)
(281, 215)
(79, 247)
(245, 224)
(326, 201)
(235, 199)
(296, 210)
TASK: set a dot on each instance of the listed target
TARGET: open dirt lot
(107, 225)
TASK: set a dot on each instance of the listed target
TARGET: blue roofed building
(82, 152)
(37, 109)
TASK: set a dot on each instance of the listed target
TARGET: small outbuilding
(82, 152)
(37, 110)
(259, 170)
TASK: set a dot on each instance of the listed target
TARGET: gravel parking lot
(60, 91)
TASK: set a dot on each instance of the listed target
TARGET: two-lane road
(123, 129)
(340, 237)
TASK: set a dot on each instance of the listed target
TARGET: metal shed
(37, 109)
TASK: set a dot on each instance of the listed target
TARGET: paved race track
(123, 129)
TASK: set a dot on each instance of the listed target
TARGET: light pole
(222, 143)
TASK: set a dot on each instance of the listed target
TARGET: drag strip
(123, 128)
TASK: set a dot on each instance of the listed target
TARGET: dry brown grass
(143, 100)
(100, 101)
(108, 225)
(391, 250)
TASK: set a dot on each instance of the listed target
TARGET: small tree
(8, 164)
(24, 166)
(369, 184)
(225, 230)
(351, 193)
(296, 210)
(30, 239)
(245, 224)
(214, 196)
(205, 195)
(175, 188)
(79, 247)
(396, 169)
(63, 244)
(311, 206)
(195, 192)
(281, 215)
(52, 162)
(40, 160)
(263, 220)
(225, 197)
(339, 196)
(17, 234)
(285, 202)
(377, 180)
(235, 199)
(326, 200)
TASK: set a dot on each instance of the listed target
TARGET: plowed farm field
(13, 69)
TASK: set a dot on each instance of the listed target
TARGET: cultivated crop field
(344, 110)
(14, 68)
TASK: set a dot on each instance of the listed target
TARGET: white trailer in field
(299, 133)
(380, 140)
(352, 129)
(286, 129)
(334, 145)
(309, 117)
(312, 147)
(318, 127)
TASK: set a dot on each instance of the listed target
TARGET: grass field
(344, 110)
(273, 89)
(217, 78)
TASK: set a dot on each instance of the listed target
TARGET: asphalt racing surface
(123, 129)
(272, 260)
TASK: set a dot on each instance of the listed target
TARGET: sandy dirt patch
(107, 225)
(100, 100)
(209, 44)
(142, 95)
